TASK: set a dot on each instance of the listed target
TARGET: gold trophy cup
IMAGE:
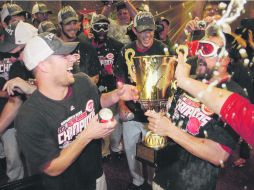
(153, 76)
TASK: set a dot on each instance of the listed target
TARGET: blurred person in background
(40, 13)
(12, 12)
(125, 12)
(11, 66)
(108, 50)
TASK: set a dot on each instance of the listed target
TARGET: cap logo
(144, 15)
(9, 31)
(49, 36)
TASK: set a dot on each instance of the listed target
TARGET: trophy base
(158, 157)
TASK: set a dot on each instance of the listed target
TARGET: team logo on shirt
(110, 56)
(5, 66)
(107, 63)
(89, 106)
(197, 114)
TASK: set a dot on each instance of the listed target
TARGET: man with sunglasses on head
(11, 66)
(204, 141)
(133, 128)
(108, 50)
(70, 26)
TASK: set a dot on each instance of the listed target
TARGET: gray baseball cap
(144, 21)
(46, 26)
(40, 8)
(11, 9)
(99, 18)
(67, 14)
(42, 46)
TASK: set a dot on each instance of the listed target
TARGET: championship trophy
(154, 78)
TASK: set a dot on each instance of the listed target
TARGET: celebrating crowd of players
(55, 79)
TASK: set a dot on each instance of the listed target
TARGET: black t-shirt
(121, 71)
(108, 52)
(45, 127)
(9, 69)
(89, 62)
(193, 117)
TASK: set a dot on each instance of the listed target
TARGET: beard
(202, 71)
(99, 37)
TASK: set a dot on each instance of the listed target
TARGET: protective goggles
(100, 26)
(208, 49)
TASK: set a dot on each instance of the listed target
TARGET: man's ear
(134, 30)
(225, 60)
(43, 66)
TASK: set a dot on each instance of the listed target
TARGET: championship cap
(40, 8)
(46, 26)
(67, 14)
(11, 9)
(16, 34)
(144, 21)
(42, 46)
(99, 18)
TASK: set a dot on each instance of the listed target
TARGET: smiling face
(60, 67)
(123, 16)
(144, 38)
(71, 29)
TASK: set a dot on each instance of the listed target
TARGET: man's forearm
(205, 149)
(212, 97)
(106, 9)
(108, 99)
(9, 112)
(67, 156)
(131, 8)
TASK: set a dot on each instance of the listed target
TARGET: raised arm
(237, 111)
(205, 93)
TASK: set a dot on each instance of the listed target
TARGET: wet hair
(120, 5)
(212, 30)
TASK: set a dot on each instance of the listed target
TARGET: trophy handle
(183, 49)
(129, 54)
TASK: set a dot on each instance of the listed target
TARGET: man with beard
(108, 50)
(58, 127)
(145, 45)
(70, 27)
(204, 141)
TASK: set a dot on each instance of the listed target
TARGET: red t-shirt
(238, 112)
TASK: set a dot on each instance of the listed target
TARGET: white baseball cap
(42, 46)
(17, 33)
